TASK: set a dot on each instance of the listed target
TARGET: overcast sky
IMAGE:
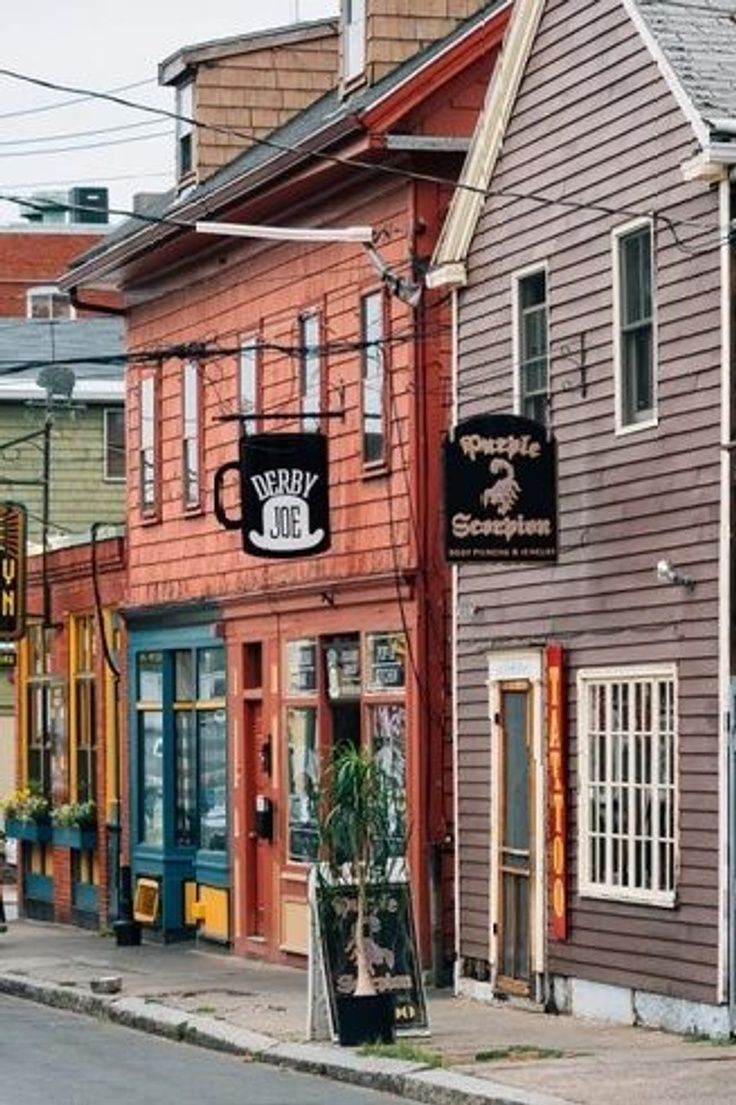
(101, 47)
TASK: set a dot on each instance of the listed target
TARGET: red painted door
(260, 822)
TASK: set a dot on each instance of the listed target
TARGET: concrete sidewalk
(192, 992)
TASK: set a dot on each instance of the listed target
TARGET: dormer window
(47, 301)
(184, 129)
(353, 39)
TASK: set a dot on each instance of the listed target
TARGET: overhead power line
(69, 103)
(348, 163)
(76, 134)
(14, 154)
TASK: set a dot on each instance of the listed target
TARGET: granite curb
(415, 1081)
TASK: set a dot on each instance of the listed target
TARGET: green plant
(82, 815)
(402, 1049)
(26, 804)
(360, 804)
(516, 1052)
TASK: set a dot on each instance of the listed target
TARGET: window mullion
(609, 788)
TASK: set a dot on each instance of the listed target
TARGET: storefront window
(388, 734)
(354, 695)
(386, 661)
(38, 702)
(303, 765)
(188, 733)
(301, 667)
(342, 660)
(212, 781)
(184, 675)
(185, 829)
(211, 673)
(152, 746)
(150, 677)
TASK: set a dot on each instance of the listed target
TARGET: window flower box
(35, 832)
(82, 837)
(75, 825)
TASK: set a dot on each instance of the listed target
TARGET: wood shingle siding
(598, 139)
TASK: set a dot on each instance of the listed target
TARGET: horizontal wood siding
(79, 494)
(250, 290)
(596, 137)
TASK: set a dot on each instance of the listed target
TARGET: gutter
(204, 206)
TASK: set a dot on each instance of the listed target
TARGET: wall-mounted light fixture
(667, 573)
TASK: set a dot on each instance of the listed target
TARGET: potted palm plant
(358, 803)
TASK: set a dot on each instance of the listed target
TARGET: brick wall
(29, 258)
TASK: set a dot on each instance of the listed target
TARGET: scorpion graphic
(504, 493)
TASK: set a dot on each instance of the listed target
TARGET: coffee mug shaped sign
(283, 493)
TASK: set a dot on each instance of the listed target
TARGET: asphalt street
(55, 1056)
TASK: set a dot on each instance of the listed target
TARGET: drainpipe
(127, 931)
(727, 744)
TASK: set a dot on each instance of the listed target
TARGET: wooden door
(514, 840)
(259, 851)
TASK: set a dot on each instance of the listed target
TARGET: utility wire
(336, 159)
(76, 134)
(76, 100)
(82, 146)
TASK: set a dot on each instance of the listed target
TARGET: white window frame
(516, 280)
(373, 376)
(184, 129)
(191, 429)
(147, 445)
(106, 444)
(353, 39)
(47, 292)
(248, 397)
(607, 890)
(646, 423)
(310, 399)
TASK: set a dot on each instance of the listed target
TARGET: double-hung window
(39, 727)
(627, 739)
(190, 449)
(47, 301)
(249, 382)
(353, 38)
(147, 445)
(184, 129)
(371, 339)
(635, 326)
(310, 371)
(114, 446)
(531, 344)
(84, 733)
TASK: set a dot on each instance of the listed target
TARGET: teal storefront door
(179, 787)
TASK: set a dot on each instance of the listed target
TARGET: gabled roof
(698, 40)
(318, 127)
(93, 347)
(178, 64)
(693, 42)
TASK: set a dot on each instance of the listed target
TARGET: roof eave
(106, 264)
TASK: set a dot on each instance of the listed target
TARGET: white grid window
(531, 344)
(190, 435)
(635, 326)
(628, 799)
(48, 302)
(310, 372)
(249, 382)
(353, 48)
(147, 449)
